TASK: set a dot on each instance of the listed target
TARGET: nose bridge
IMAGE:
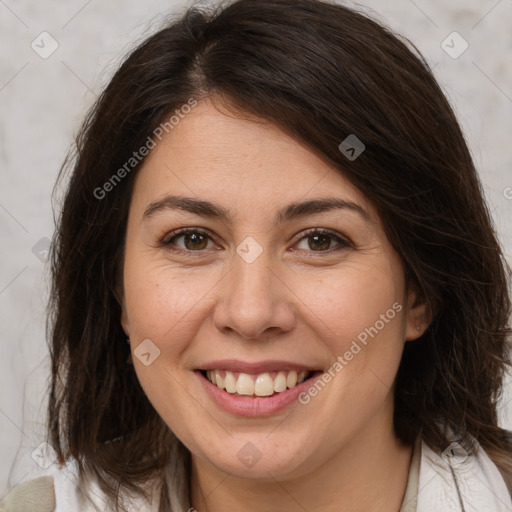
(254, 300)
(252, 287)
(252, 267)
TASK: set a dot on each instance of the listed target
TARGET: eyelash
(166, 241)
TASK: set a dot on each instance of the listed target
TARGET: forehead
(239, 162)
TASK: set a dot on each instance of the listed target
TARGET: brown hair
(321, 72)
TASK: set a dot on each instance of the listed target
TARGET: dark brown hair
(321, 72)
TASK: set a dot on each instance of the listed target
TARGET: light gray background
(43, 100)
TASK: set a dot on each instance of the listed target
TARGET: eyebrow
(289, 212)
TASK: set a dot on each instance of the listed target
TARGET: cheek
(359, 315)
(347, 302)
(163, 386)
(163, 302)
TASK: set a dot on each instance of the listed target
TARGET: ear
(120, 295)
(417, 314)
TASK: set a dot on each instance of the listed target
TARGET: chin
(259, 459)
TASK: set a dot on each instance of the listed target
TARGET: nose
(254, 301)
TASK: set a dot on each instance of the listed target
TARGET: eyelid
(165, 241)
(182, 231)
(343, 241)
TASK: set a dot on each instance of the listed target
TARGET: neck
(369, 473)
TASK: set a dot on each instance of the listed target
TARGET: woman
(275, 204)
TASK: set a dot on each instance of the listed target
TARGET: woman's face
(284, 267)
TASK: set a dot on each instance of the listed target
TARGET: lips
(258, 379)
(253, 405)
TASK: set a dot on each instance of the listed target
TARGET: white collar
(461, 483)
(446, 484)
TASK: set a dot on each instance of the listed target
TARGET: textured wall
(43, 99)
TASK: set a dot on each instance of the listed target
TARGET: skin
(302, 300)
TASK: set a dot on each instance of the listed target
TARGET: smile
(262, 384)
(258, 391)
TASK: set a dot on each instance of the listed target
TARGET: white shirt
(436, 484)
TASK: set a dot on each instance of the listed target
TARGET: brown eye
(322, 241)
(193, 240)
(319, 242)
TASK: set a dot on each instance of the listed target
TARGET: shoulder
(455, 478)
(56, 490)
(61, 490)
(37, 495)
(508, 477)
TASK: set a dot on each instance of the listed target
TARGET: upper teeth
(263, 384)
